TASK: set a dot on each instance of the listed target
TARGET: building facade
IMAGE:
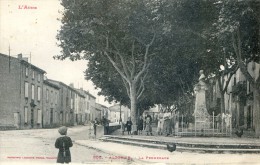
(239, 99)
(50, 104)
(116, 110)
(21, 87)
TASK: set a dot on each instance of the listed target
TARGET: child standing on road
(63, 143)
(129, 126)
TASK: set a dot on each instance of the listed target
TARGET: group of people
(64, 142)
(165, 124)
(142, 124)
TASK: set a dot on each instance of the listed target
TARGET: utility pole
(120, 118)
(9, 65)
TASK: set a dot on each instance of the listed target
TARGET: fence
(213, 125)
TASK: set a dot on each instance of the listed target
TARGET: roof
(116, 108)
(51, 84)
(100, 105)
(24, 62)
(63, 84)
(90, 94)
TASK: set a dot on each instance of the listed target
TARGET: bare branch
(113, 62)
(126, 69)
(127, 87)
(229, 78)
(242, 66)
(140, 94)
(145, 60)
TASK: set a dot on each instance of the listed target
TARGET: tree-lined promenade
(142, 53)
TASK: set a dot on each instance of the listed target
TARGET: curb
(130, 161)
(185, 146)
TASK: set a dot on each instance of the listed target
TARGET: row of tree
(144, 52)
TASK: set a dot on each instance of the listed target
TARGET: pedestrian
(122, 128)
(140, 125)
(167, 123)
(129, 126)
(105, 122)
(148, 123)
(63, 143)
(95, 123)
(160, 124)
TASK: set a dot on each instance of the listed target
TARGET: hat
(63, 130)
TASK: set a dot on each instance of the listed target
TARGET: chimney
(25, 59)
(72, 85)
(20, 56)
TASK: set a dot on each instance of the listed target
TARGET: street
(37, 146)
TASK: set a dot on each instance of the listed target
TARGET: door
(16, 120)
(51, 117)
(249, 117)
(32, 118)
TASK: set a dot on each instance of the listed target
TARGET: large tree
(123, 32)
(238, 24)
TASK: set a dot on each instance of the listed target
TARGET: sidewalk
(142, 155)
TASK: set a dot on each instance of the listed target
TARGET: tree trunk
(222, 102)
(257, 112)
(133, 99)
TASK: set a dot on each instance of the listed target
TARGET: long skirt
(148, 128)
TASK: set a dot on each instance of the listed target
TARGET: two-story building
(50, 104)
(66, 103)
(21, 87)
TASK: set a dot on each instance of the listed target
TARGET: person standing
(63, 143)
(140, 125)
(95, 123)
(105, 122)
(167, 123)
(160, 124)
(148, 123)
(129, 126)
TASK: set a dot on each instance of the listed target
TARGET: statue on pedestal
(200, 113)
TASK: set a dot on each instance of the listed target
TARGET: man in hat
(63, 143)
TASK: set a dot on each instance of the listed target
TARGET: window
(56, 97)
(25, 114)
(33, 74)
(55, 116)
(39, 93)
(71, 103)
(26, 89)
(87, 105)
(26, 71)
(47, 95)
(67, 101)
(51, 96)
(39, 118)
(32, 92)
(39, 77)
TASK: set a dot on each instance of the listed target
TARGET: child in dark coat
(129, 126)
(63, 143)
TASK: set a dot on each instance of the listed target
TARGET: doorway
(51, 117)
(32, 118)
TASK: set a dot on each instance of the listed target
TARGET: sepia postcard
(129, 82)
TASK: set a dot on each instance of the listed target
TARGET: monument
(200, 113)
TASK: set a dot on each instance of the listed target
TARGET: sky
(30, 27)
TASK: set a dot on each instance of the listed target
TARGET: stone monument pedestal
(200, 113)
